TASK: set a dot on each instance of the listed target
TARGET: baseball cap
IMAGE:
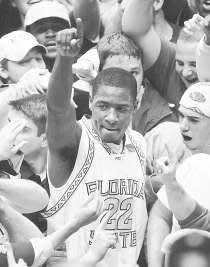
(46, 9)
(15, 45)
(197, 98)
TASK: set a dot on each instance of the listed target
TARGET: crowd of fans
(104, 133)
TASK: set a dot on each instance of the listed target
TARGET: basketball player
(98, 153)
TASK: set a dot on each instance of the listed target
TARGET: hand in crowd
(69, 41)
(103, 240)
(166, 167)
(34, 81)
(90, 210)
(8, 133)
(198, 25)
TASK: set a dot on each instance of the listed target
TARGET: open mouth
(192, 79)
(206, 5)
(186, 138)
(50, 44)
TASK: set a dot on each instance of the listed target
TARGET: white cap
(15, 45)
(46, 9)
(197, 98)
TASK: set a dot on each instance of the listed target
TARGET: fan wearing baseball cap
(22, 69)
(185, 193)
(19, 52)
(45, 18)
(194, 116)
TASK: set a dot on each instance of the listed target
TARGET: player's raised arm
(63, 132)
(137, 23)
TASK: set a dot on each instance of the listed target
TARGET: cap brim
(16, 58)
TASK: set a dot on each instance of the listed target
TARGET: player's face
(186, 62)
(195, 129)
(45, 32)
(33, 59)
(130, 64)
(112, 110)
(29, 134)
(200, 6)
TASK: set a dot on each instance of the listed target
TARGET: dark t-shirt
(35, 217)
(177, 11)
(153, 110)
(163, 75)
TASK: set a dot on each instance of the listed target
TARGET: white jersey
(119, 177)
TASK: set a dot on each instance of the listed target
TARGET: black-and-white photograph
(104, 133)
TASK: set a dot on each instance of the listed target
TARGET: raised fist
(69, 41)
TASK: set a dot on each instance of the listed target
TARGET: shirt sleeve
(199, 219)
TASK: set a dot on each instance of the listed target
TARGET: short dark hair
(115, 77)
(117, 44)
(197, 243)
(33, 107)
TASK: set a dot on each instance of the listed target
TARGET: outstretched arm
(24, 195)
(159, 226)
(63, 132)
(159, 56)
(86, 214)
(18, 227)
(137, 23)
(180, 202)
